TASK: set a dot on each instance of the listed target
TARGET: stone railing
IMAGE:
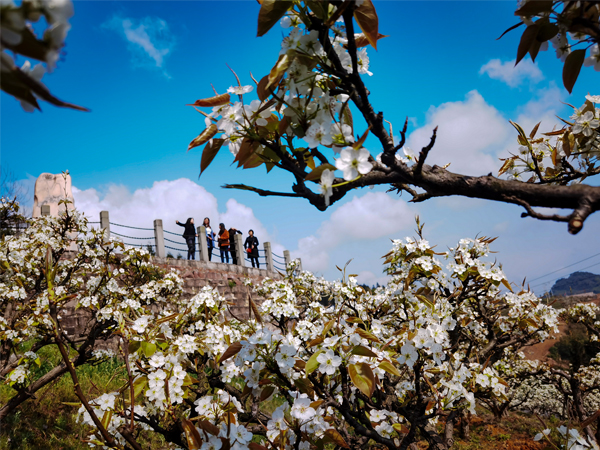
(269, 260)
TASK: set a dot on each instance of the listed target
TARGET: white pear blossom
(240, 90)
(353, 162)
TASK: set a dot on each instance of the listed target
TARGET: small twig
(131, 387)
(402, 136)
(423, 154)
(536, 215)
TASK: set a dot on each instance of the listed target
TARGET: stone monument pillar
(49, 190)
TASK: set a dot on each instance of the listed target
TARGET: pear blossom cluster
(560, 156)
(296, 101)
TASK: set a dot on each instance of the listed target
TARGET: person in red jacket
(224, 243)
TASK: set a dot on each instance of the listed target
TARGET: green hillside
(577, 283)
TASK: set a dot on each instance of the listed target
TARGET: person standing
(210, 237)
(224, 243)
(251, 246)
(232, 246)
(189, 234)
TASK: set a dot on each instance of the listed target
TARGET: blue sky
(136, 64)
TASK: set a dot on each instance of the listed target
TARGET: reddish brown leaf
(266, 393)
(233, 350)
(367, 20)
(217, 100)
(315, 175)
(335, 437)
(261, 88)
(208, 427)
(358, 144)
(203, 137)
(257, 315)
(363, 351)
(532, 8)
(510, 29)
(194, 441)
(572, 68)
(283, 63)
(209, 153)
(363, 378)
(362, 41)
(270, 13)
(527, 39)
(255, 446)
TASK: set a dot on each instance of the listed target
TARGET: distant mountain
(577, 283)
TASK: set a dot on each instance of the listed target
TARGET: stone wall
(227, 278)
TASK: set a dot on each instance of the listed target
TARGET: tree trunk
(465, 422)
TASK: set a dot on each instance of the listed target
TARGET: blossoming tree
(316, 361)
(302, 120)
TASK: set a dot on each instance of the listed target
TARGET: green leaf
(572, 68)
(367, 20)
(363, 378)
(148, 348)
(270, 13)
(389, 368)
(106, 418)
(366, 335)
(312, 363)
(134, 346)
(400, 428)
(139, 385)
(315, 175)
(209, 153)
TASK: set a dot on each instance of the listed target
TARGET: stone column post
(269, 256)
(287, 258)
(45, 210)
(239, 249)
(202, 246)
(105, 224)
(299, 268)
(159, 238)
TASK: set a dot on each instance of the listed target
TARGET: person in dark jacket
(189, 234)
(224, 243)
(251, 246)
(232, 248)
(210, 237)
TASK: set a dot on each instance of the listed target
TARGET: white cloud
(471, 134)
(543, 108)
(510, 74)
(150, 40)
(366, 218)
(169, 201)
(370, 279)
